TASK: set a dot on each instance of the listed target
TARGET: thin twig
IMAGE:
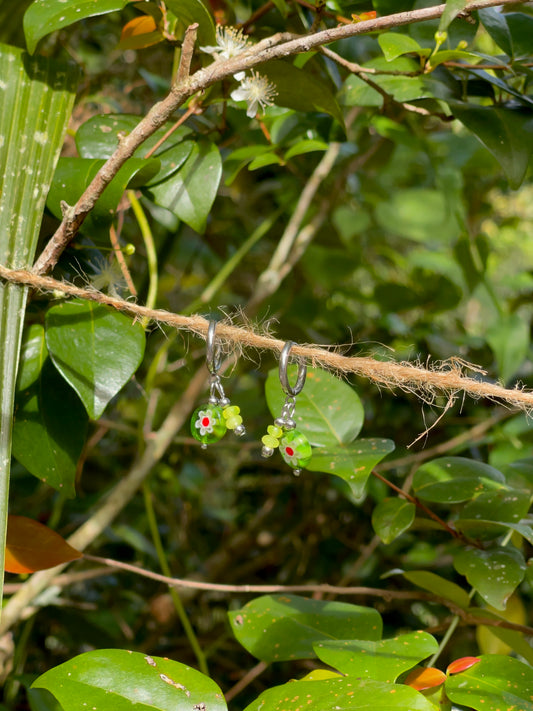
(113, 238)
(187, 50)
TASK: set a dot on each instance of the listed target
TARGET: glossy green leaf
(521, 28)
(328, 411)
(305, 146)
(191, 191)
(495, 574)
(496, 683)
(190, 11)
(50, 425)
(344, 693)
(501, 505)
(484, 529)
(391, 517)
(452, 9)
(352, 462)
(283, 627)
(95, 348)
(357, 92)
(506, 132)
(509, 340)
(99, 137)
(496, 25)
(45, 16)
(382, 660)
(394, 44)
(452, 55)
(301, 90)
(437, 585)
(122, 680)
(455, 479)
(73, 175)
(265, 159)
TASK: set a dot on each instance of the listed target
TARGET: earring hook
(288, 389)
(213, 357)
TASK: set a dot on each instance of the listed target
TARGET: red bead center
(289, 451)
(205, 421)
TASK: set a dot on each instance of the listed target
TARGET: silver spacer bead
(224, 402)
(296, 472)
(203, 445)
(213, 400)
(240, 430)
(267, 452)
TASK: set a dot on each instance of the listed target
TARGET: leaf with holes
(283, 627)
(30, 546)
(96, 349)
(122, 680)
(391, 517)
(495, 574)
(328, 411)
(496, 683)
(382, 660)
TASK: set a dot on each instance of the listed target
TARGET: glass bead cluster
(210, 422)
(293, 444)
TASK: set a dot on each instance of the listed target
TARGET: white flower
(205, 422)
(257, 91)
(230, 43)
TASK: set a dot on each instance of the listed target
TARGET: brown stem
(187, 50)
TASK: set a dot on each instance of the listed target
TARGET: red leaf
(31, 546)
(461, 664)
(427, 678)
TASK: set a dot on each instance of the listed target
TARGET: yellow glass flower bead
(275, 431)
(269, 441)
(230, 411)
(233, 422)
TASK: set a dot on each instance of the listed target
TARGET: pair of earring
(210, 422)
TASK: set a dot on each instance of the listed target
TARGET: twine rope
(436, 379)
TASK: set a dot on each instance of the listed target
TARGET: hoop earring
(293, 445)
(210, 422)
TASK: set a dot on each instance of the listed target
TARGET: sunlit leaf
(30, 546)
(455, 479)
(282, 627)
(130, 680)
(495, 574)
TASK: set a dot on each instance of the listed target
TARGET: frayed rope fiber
(445, 378)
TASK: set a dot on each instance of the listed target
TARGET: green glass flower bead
(208, 424)
(295, 449)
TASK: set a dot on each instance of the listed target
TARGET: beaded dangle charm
(209, 422)
(293, 445)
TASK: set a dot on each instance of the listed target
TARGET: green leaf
(495, 574)
(50, 425)
(506, 132)
(328, 411)
(265, 159)
(305, 146)
(283, 627)
(190, 11)
(122, 680)
(510, 506)
(301, 90)
(99, 138)
(353, 462)
(496, 683)
(344, 693)
(509, 340)
(191, 191)
(452, 9)
(437, 585)
(455, 479)
(95, 348)
(45, 16)
(521, 28)
(496, 25)
(73, 175)
(391, 517)
(394, 44)
(382, 660)
(484, 529)
(512, 638)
